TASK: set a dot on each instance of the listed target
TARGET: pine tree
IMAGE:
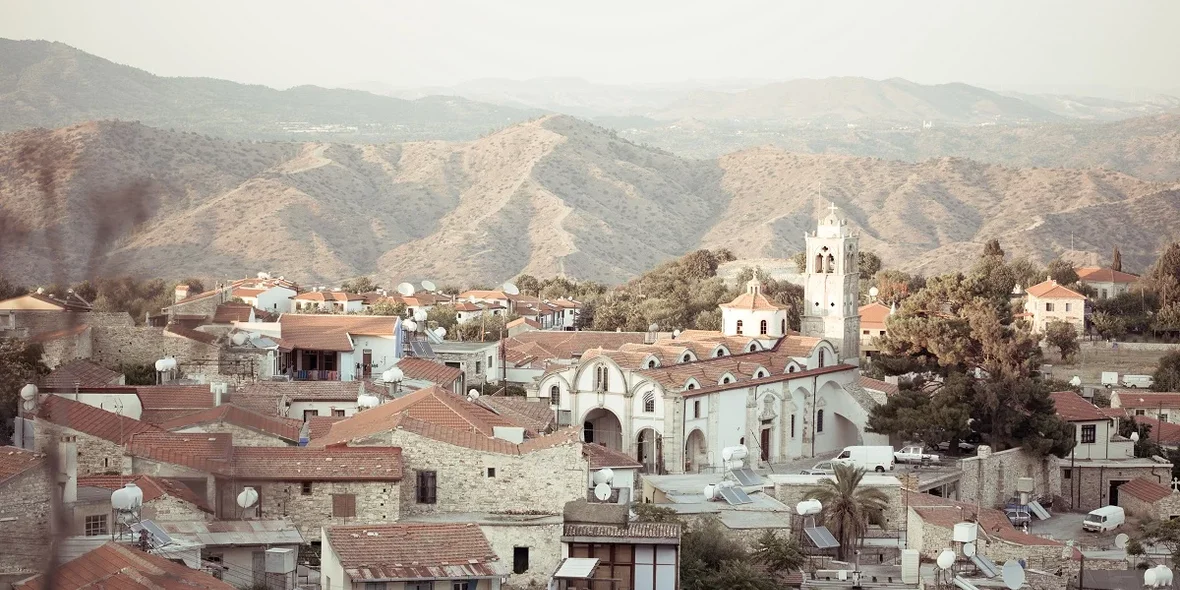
(1116, 260)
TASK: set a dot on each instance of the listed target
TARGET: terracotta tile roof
(191, 334)
(44, 337)
(709, 371)
(309, 390)
(1129, 398)
(199, 450)
(265, 403)
(90, 420)
(247, 292)
(873, 315)
(477, 294)
(1166, 433)
(478, 442)
(152, 487)
(75, 303)
(753, 302)
(1051, 290)
(667, 354)
(198, 297)
(14, 461)
(1094, 274)
(414, 551)
(320, 425)
(338, 463)
(522, 321)
(228, 313)
(1113, 412)
(544, 345)
(1145, 489)
(83, 373)
(565, 303)
(944, 512)
(331, 332)
(432, 405)
(1072, 407)
(285, 428)
(601, 456)
(467, 306)
(888, 389)
(625, 359)
(328, 296)
(120, 567)
(633, 530)
(428, 370)
(773, 378)
(165, 402)
(534, 415)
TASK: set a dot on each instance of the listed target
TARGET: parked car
(821, 468)
(964, 446)
(914, 454)
(1137, 381)
(1018, 516)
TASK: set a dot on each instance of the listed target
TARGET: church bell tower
(832, 287)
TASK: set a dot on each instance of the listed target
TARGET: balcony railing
(314, 375)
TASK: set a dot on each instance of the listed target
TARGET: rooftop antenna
(405, 289)
(602, 479)
(429, 286)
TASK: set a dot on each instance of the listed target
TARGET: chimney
(69, 470)
(181, 292)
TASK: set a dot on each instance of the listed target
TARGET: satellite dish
(40, 290)
(410, 325)
(604, 475)
(734, 453)
(1121, 540)
(1149, 577)
(127, 498)
(969, 549)
(28, 392)
(420, 315)
(238, 338)
(675, 333)
(947, 558)
(1076, 381)
(1013, 574)
(405, 289)
(429, 286)
(809, 508)
(873, 291)
(510, 289)
(653, 327)
(1163, 576)
(1134, 437)
(160, 366)
(440, 332)
(472, 392)
(602, 492)
(248, 497)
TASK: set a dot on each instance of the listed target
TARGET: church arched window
(762, 328)
(651, 364)
(819, 420)
(739, 326)
(686, 358)
(831, 267)
(821, 358)
(554, 391)
(649, 402)
(819, 263)
(601, 378)
(791, 369)
(784, 327)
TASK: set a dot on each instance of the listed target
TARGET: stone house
(1106, 282)
(1149, 499)
(303, 400)
(1152, 404)
(989, 478)
(195, 305)
(1049, 302)
(99, 435)
(235, 549)
(249, 428)
(479, 361)
(639, 554)
(24, 507)
(164, 500)
(409, 557)
(1102, 460)
(1166, 434)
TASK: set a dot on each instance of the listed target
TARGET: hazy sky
(283, 43)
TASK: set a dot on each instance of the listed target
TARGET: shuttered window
(427, 487)
(344, 505)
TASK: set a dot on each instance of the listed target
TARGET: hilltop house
(1107, 283)
(872, 326)
(328, 302)
(1048, 302)
(1162, 405)
(314, 347)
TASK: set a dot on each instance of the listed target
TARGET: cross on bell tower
(832, 285)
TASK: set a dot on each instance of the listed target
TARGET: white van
(1104, 519)
(1110, 379)
(1138, 381)
(867, 458)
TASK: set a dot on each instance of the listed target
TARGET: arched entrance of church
(601, 426)
(844, 431)
(649, 450)
(696, 454)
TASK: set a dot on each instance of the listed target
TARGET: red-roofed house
(164, 500)
(1049, 302)
(328, 301)
(327, 347)
(249, 428)
(99, 435)
(24, 505)
(932, 520)
(872, 326)
(82, 373)
(420, 369)
(1149, 499)
(1105, 281)
(410, 556)
(1165, 405)
(274, 298)
(121, 567)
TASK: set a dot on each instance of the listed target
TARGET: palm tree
(847, 507)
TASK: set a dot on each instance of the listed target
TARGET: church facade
(675, 404)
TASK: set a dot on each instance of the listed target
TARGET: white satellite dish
(440, 332)
(28, 392)
(969, 549)
(405, 289)
(604, 475)
(510, 289)
(471, 392)
(1134, 437)
(429, 286)
(809, 507)
(675, 333)
(420, 315)
(1013, 574)
(946, 559)
(239, 338)
(127, 498)
(602, 492)
(473, 395)
(653, 327)
(248, 497)
(1121, 540)
(160, 366)
(873, 291)
(410, 325)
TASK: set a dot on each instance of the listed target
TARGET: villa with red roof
(1106, 282)
(1049, 302)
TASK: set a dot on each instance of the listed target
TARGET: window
(1089, 433)
(344, 505)
(865, 332)
(520, 560)
(96, 525)
(819, 421)
(426, 487)
(691, 386)
(1067, 473)
(489, 362)
(478, 368)
(1140, 412)
(307, 414)
(725, 380)
(651, 364)
(696, 408)
(461, 585)
(601, 376)
(784, 325)
(791, 369)
(720, 353)
(306, 488)
(685, 358)
(1103, 294)
(821, 357)
(1048, 306)
(491, 472)
(338, 413)
(792, 426)
(1068, 306)
(762, 327)
(374, 585)
(739, 326)
(414, 586)
(649, 402)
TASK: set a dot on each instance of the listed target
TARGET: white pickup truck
(914, 454)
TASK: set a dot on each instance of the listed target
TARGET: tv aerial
(429, 286)
(406, 289)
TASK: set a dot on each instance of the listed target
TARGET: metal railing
(314, 375)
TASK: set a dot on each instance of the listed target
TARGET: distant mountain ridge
(551, 196)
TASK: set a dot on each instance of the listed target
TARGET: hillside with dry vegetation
(553, 195)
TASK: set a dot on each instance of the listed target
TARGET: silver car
(821, 468)
(1018, 516)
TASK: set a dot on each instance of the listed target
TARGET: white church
(674, 404)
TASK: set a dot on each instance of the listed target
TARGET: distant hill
(51, 85)
(554, 195)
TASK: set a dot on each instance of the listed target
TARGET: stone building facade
(989, 478)
(96, 455)
(310, 505)
(24, 509)
(1148, 499)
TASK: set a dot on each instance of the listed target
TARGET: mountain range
(555, 195)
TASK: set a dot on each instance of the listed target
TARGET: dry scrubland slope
(546, 196)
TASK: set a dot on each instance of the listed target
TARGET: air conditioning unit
(280, 561)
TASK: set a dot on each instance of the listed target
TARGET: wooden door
(764, 443)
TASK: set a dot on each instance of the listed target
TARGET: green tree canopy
(1167, 373)
(1064, 337)
(20, 364)
(1063, 272)
(919, 416)
(387, 307)
(868, 264)
(992, 248)
(358, 285)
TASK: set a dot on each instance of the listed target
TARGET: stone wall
(376, 502)
(112, 345)
(95, 455)
(243, 437)
(541, 481)
(990, 478)
(543, 542)
(24, 518)
(1088, 487)
(63, 350)
(930, 539)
